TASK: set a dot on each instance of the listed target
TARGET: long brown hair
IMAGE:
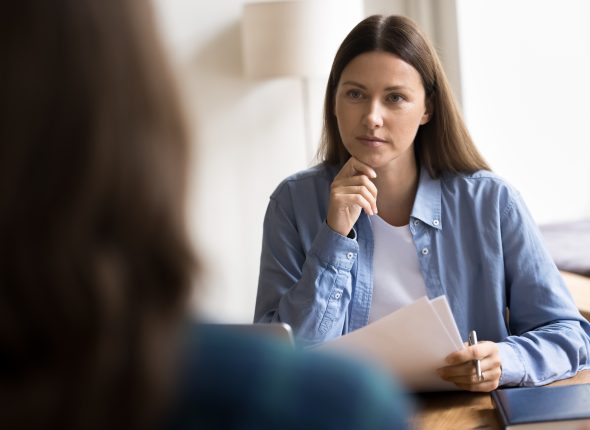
(441, 145)
(94, 260)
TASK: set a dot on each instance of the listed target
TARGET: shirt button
(337, 295)
(436, 222)
(349, 255)
(424, 251)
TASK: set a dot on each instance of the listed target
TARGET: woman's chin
(381, 161)
(376, 162)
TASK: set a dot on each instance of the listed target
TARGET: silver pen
(473, 341)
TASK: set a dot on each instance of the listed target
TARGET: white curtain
(438, 18)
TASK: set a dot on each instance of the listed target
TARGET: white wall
(525, 66)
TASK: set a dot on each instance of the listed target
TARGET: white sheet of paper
(411, 342)
(443, 310)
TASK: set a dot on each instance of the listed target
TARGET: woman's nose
(373, 117)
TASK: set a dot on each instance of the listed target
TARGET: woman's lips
(371, 141)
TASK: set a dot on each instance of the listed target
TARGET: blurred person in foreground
(95, 266)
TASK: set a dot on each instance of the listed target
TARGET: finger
(469, 367)
(362, 190)
(473, 352)
(469, 353)
(462, 356)
(360, 180)
(485, 387)
(467, 374)
(488, 375)
(354, 167)
(490, 381)
(367, 183)
(491, 362)
(457, 370)
(356, 183)
(347, 200)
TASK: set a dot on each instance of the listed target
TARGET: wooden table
(465, 410)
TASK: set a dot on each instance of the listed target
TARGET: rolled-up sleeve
(310, 289)
(549, 339)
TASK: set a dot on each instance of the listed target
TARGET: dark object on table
(562, 407)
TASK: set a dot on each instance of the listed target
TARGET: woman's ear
(427, 113)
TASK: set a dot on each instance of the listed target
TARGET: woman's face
(380, 103)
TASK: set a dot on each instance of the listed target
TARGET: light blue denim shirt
(476, 243)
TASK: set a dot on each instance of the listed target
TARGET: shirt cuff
(513, 371)
(334, 249)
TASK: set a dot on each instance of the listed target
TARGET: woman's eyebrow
(356, 84)
(391, 88)
(398, 88)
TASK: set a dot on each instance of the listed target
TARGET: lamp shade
(295, 37)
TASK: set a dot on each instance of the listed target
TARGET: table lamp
(296, 38)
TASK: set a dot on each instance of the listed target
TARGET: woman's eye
(394, 98)
(354, 94)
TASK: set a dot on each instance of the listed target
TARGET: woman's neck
(397, 185)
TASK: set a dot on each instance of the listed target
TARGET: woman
(402, 206)
(95, 265)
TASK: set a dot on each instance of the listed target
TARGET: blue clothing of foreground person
(233, 381)
(476, 243)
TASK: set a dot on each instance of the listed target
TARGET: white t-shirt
(397, 279)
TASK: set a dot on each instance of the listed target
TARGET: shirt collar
(427, 205)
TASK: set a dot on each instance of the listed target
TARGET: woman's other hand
(351, 192)
(461, 369)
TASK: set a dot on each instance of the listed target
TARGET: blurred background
(520, 70)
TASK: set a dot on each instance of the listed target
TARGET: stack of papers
(411, 342)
